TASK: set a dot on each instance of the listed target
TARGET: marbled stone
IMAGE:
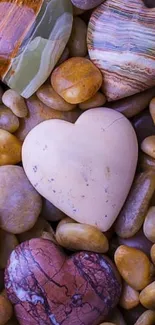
(47, 287)
(33, 35)
(121, 43)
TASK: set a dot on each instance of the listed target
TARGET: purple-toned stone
(47, 287)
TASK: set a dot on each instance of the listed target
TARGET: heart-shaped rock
(121, 42)
(47, 287)
(85, 169)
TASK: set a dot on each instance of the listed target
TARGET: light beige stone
(82, 169)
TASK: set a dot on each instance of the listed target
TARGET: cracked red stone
(47, 287)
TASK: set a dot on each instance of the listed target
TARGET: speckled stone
(121, 44)
(42, 283)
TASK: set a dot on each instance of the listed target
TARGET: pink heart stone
(48, 287)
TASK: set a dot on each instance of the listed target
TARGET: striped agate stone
(121, 43)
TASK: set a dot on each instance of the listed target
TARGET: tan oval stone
(148, 146)
(8, 121)
(134, 266)
(49, 97)
(39, 112)
(76, 80)
(147, 318)
(75, 236)
(147, 296)
(15, 102)
(78, 40)
(152, 253)
(149, 224)
(10, 149)
(135, 208)
(98, 100)
(8, 242)
(6, 310)
(129, 298)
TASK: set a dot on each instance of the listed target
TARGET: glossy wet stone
(134, 267)
(78, 40)
(133, 105)
(147, 318)
(134, 210)
(38, 112)
(84, 179)
(138, 241)
(42, 282)
(129, 297)
(15, 102)
(76, 80)
(147, 296)
(143, 125)
(122, 56)
(149, 224)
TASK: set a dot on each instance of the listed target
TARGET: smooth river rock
(81, 168)
(121, 43)
(47, 287)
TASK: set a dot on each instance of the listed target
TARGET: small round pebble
(134, 266)
(147, 296)
(49, 97)
(8, 242)
(10, 148)
(20, 204)
(86, 4)
(149, 224)
(78, 40)
(8, 121)
(129, 298)
(6, 310)
(76, 80)
(148, 146)
(76, 236)
(98, 100)
(147, 318)
(15, 102)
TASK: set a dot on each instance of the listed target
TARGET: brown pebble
(147, 318)
(148, 146)
(146, 162)
(133, 105)
(8, 121)
(152, 253)
(77, 11)
(20, 204)
(15, 102)
(147, 296)
(143, 125)
(8, 242)
(10, 148)
(78, 40)
(39, 112)
(49, 97)
(6, 310)
(98, 100)
(76, 80)
(75, 236)
(134, 210)
(134, 266)
(129, 298)
(149, 224)
(138, 241)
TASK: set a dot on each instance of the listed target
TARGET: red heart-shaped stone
(48, 287)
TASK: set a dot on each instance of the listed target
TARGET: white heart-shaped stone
(85, 169)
